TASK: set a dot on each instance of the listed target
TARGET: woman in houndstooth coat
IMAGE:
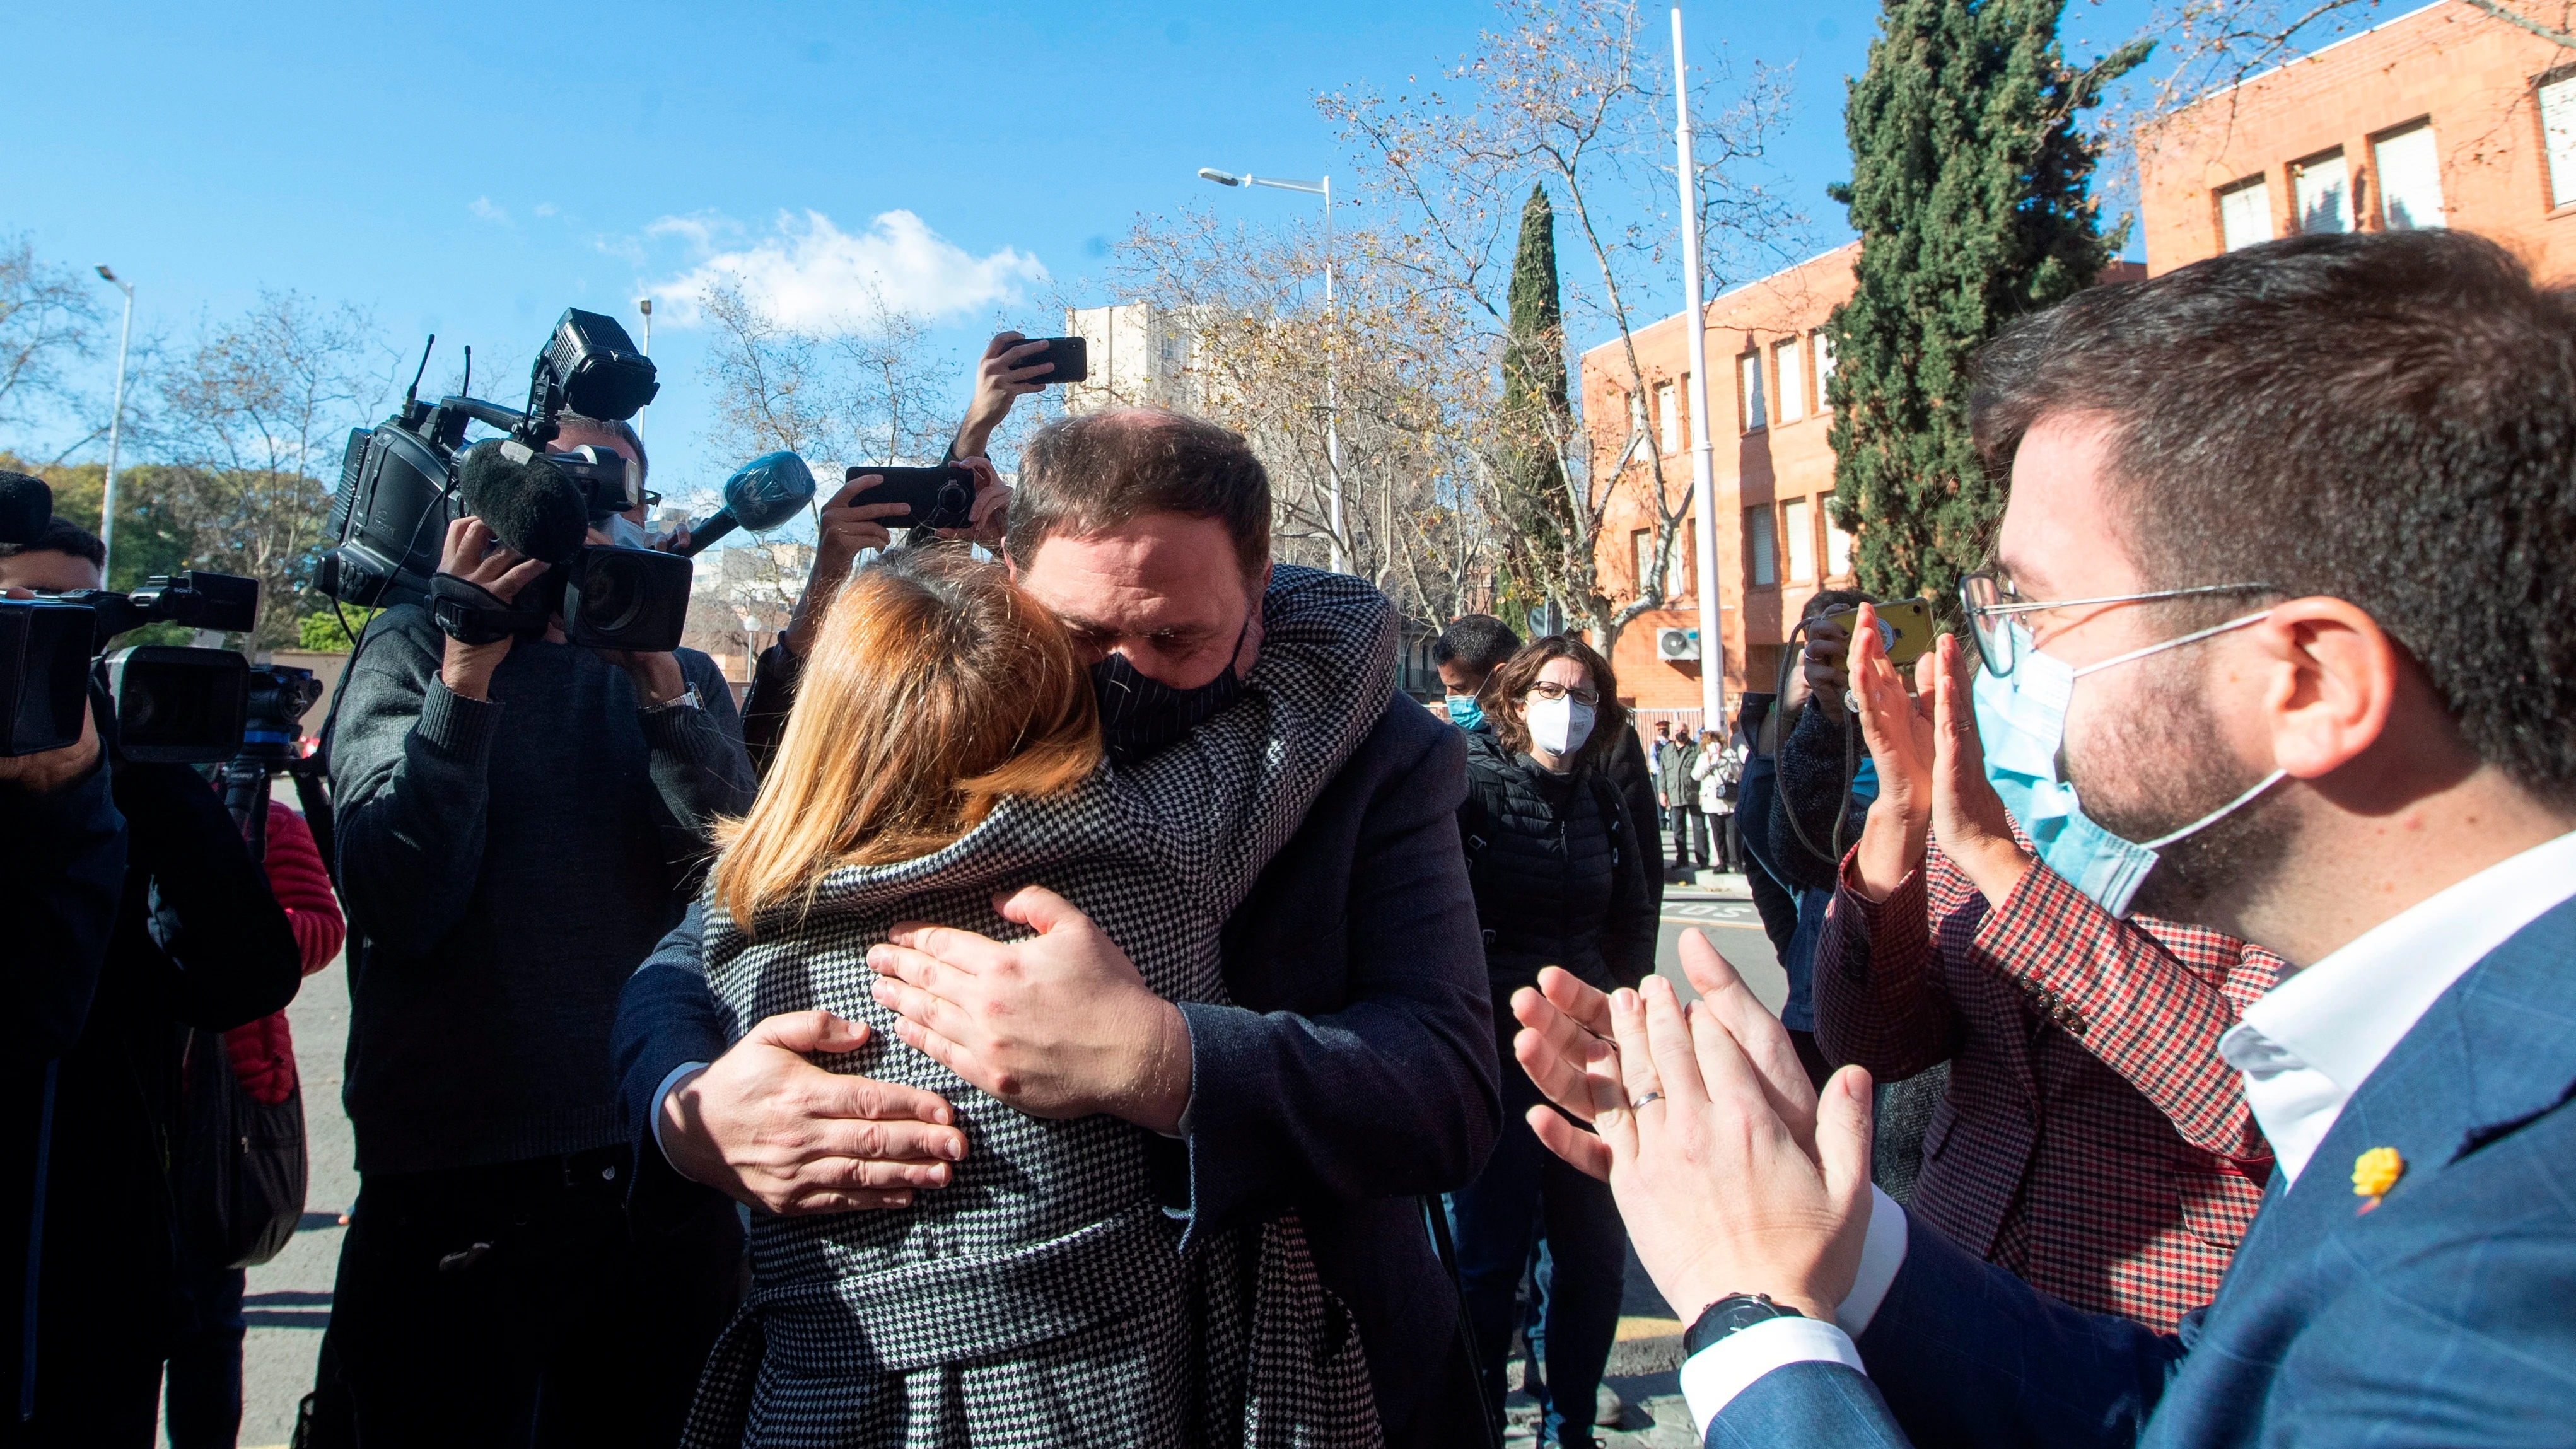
(944, 751)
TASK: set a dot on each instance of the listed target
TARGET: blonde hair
(935, 688)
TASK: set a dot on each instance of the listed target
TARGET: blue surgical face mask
(1465, 713)
(2021, 721)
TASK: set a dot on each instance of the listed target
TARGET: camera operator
(197, 942)
(519, 823)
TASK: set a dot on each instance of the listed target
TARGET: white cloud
(811, 275)
(484, 210)
(544, 208)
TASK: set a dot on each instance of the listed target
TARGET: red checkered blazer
(2091, 1141)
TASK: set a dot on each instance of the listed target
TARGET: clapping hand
(1732, 1174)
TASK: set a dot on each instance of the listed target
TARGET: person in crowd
(1353, 1071)
(203, 1379)
(1949, 941)
(519, 821)
(1756, 721)
(1472, 647)
(2200, 654)
(846, 528)
(1715, 776)
(198, 942)
(1560, 880)
(1678, 795)
(1655, 751)
(945, 747)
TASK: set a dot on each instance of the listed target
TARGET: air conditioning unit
(1676, 644)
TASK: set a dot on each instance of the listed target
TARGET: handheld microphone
(27, 505)
(527, 504)
(761, 495)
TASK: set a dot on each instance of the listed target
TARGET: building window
(1636, 414)
(1824, 369)
(2558, 137)
(2323, 190)
(1838, 543)
(1760, 548)
(1793, 381)
(1668, 409)
(2410, 179)
(1801, 531)
(2245, 214)
(1748, 370)
(1642, 548)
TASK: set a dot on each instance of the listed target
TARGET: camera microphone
(27, 505)
(527, 504)
(761, 495)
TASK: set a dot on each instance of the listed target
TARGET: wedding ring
(1649, 1097)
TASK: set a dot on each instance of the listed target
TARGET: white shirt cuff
(671, 1083)
(1881, 1254)
(1717, 1373)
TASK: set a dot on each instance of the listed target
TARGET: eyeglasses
(1990, 601)
(1550, 689)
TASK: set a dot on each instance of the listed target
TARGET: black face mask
(1139, 715)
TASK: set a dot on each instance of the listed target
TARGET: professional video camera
(403, 481)
(273, 713)
(170, 703)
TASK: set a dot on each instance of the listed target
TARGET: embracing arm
(410, 769)
(1394, 1092)
(1221, 801)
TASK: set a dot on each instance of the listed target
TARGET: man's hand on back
(1059, 1025)
(766, 1127)
(1733, 1176)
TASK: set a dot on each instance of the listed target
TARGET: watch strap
(1728, 1315)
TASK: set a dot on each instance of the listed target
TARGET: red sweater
(263, 1054)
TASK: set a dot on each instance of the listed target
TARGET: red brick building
(1768, 360)
(2442, 117)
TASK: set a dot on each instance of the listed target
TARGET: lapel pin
(2373, 1174)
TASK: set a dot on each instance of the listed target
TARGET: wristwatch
(1734, 1312)
(686, 699)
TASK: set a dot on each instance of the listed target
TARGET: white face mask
(1559, 726)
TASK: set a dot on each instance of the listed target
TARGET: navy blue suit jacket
(2445, 1316)
(1355, 1073)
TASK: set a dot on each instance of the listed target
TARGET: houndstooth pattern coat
(1044, 1297)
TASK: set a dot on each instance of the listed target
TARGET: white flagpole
(1712, 638)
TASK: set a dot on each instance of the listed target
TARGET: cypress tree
(1536, 411)
(1971, 191)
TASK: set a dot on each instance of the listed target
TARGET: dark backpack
(242, 1163)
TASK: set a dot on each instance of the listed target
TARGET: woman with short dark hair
(1560, 880)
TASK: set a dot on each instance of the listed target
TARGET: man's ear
(2328, 680)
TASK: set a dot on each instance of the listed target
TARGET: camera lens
(612, 592)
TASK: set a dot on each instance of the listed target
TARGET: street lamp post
(645, 306)
(115, 426)
(1332, 400)
(1712, 637)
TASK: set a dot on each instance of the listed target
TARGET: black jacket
(198, 942)
(1559, 877)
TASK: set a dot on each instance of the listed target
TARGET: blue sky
(473, 168)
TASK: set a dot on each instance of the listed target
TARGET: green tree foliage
(326, 634)
(1537, 415)
(1971, 191)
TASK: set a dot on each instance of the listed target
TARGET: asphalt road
(289, 1298)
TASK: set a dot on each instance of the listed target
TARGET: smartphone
(941, 497)
(1071, 356)
(1904, 627)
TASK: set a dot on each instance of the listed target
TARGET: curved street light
(1332, 410)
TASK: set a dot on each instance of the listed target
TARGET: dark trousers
(512, 1306)
(1523, 1190)
(203, 1384)
(1690, 834)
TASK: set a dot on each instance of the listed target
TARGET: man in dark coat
(1355, 1072)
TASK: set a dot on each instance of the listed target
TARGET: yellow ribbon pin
(2374, 1173)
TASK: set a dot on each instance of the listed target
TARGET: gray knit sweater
(505, 864)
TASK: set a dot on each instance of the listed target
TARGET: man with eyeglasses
(2089, 1139)
(2297, 661)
